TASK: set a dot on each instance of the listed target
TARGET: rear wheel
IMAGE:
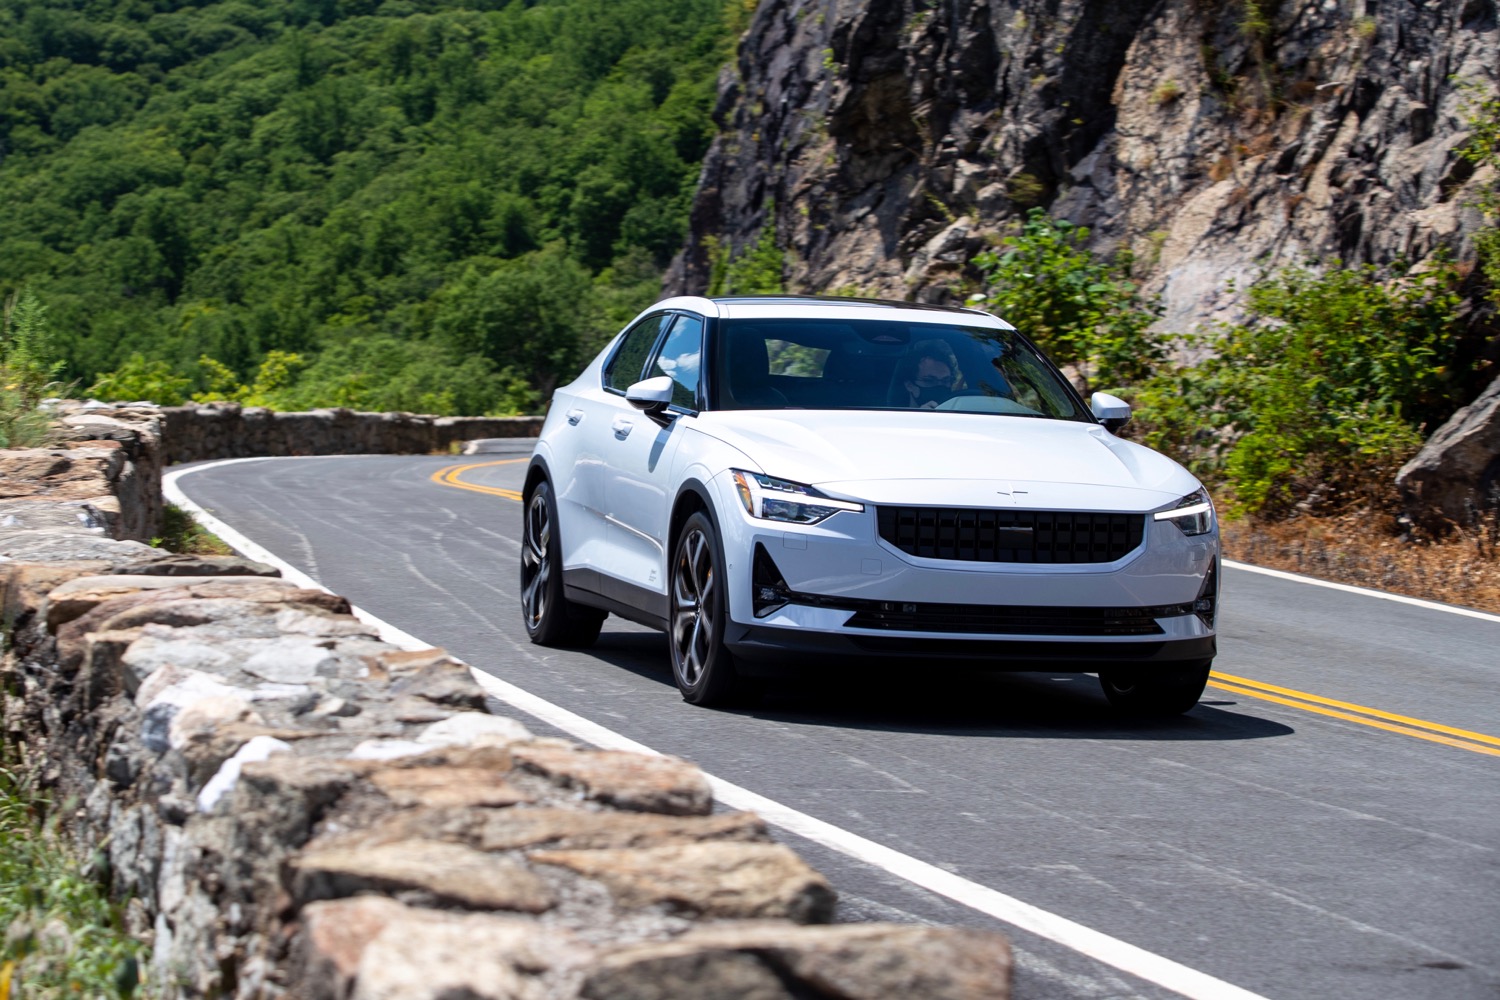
(1156, 692)
(697, 613)
(551, 619)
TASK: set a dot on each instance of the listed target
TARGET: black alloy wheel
(1156, 692)
(551, 619)
(703, 669)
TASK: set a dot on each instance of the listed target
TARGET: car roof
(826, 306)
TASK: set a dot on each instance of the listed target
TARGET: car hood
(962, 459)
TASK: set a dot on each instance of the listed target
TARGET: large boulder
(1454, 481)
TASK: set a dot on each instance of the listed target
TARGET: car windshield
(838, 364)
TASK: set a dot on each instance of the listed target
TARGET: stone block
(448, 787)
(432, 872)
(736, 881)
(770, 962)
(368, 948)
(576, 829)
(634, 781)
(476, 729)
(25, 586)
(76, 597)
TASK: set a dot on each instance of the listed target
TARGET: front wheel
(551, 619)
(1156, 692)
(701, 666)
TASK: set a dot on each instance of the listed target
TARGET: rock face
(296, 809)
(1454, 481)
(885, 141)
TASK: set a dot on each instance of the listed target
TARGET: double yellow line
(449, 477)
(1405, 725)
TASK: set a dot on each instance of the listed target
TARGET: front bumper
(851, 593)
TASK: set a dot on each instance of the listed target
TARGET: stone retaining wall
(228, 430)
(296, 809)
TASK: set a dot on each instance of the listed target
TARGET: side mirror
(1112, 411)
(652, 395)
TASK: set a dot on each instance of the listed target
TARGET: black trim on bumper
(977, 619)
(763, 643)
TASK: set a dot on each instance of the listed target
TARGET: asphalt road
(1325, 824)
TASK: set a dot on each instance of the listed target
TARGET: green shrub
(1328, 385)
(1483, 149)
(28, 372)
(1083, 311)
(758, 269)
(140, 379)
(181, 533)
(63, 935)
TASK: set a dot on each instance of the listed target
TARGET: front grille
(972, 534)
(989, 619)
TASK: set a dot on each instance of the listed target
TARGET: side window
(624, 369)
(680, 358)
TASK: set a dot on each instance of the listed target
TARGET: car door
(638, 486)
(584, 444)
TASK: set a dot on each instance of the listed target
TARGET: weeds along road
(1325, 824)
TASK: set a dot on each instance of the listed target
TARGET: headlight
(778, 500)
(1193, 514)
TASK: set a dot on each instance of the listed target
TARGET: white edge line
(1101, 947)
(1364, 591)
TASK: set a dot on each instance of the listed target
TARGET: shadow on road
(918, 697)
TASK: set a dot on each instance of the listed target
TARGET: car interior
(823, 364)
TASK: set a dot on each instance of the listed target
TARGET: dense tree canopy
(405, 195)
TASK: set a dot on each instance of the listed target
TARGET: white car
(781, 480)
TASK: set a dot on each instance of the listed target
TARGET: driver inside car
(927, 379)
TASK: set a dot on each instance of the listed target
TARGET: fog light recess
(768, 589)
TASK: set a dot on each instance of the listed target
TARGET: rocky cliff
(886, 141)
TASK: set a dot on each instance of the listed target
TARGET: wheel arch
(692, 496)
(535, 473)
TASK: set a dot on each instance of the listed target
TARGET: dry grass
(1463, 570)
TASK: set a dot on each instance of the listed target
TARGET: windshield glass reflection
(828, 364)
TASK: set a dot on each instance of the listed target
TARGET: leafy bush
(63, 936)
(140, 379)
(1325, 388)
(1483, 149)
(1083, 311)
(758, 269)
(27, 371)
(181, 533)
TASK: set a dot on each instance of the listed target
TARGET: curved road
(1326, 824)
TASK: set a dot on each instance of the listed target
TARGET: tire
(1156, 692)
(551, 619)
(696, 617)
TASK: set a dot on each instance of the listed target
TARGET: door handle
(574, 416)
(622, 427)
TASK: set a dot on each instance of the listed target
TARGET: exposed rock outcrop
(1454, 481)
(886, 141)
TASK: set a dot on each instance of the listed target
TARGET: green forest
(424, 205)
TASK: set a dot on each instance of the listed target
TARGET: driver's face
(932, 372)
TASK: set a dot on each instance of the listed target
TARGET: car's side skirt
(597, 590)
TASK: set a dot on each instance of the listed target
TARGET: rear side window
(624, 369)
(680, 358)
